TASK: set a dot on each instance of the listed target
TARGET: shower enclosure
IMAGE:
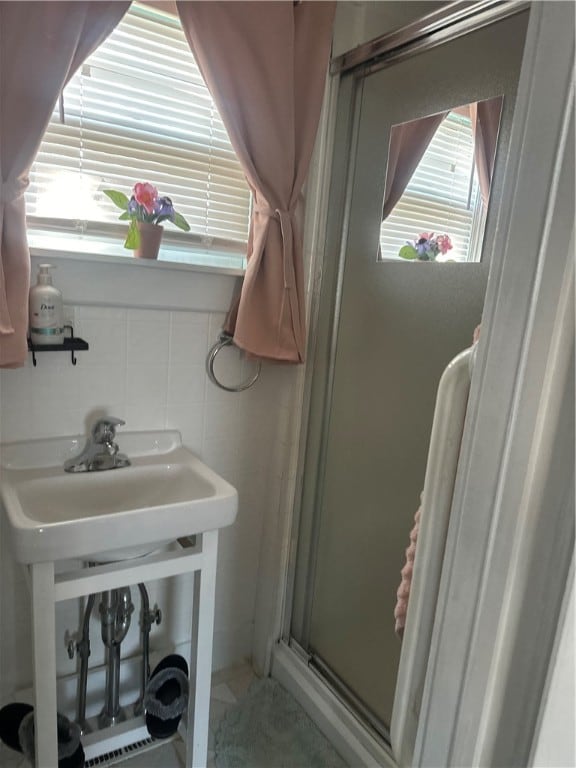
(386, 330)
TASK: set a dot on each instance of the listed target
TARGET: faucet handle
(104, 430)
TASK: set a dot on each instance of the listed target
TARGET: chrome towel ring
(224, 339)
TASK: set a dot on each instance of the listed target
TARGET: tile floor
(228, 687)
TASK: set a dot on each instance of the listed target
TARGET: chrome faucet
(101, 450)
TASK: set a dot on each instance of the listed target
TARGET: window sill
(439, 260)
(99, 272)
(100, 250)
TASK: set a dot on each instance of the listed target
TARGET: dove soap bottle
(46, 314)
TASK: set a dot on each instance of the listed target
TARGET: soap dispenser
(46, 313)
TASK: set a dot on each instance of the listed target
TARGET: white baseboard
(340, 726)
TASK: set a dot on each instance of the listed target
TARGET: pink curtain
(485, 118)
(408, 142)
(41, 46)
(265, 64)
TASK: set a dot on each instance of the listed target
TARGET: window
(138, 110)
(443, 195)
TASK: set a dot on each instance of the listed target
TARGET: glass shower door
(396, 327)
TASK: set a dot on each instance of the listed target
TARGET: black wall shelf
(70, 344)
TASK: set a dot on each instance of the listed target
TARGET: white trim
(512, 528)
(536, 499)
(135, 285)
(108, 251)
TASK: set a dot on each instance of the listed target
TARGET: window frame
(93, 238)
(411, 198)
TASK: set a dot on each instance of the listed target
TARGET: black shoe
(166, 696)
(17, 732)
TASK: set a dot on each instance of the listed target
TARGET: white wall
(147, 366)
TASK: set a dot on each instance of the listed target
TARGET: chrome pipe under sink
(115, 608)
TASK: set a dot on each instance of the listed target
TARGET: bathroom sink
(165, 494)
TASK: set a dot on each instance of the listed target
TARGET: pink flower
(426, 236)
(444, 243)
(145, 195)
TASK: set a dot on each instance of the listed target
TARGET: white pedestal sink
(166, 493)
(117, 517)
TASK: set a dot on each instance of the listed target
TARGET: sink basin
(166, 493)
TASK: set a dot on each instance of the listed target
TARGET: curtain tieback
(284, 216)
(9, 191)
(6, 326)
(13, 189)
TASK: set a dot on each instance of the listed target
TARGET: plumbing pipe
(115, 611)
(148, 617)
(83, 649)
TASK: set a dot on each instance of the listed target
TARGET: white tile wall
(148, 367)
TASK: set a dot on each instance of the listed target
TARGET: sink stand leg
(201, 654)
(44, 651)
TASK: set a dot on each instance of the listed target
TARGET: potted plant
(426, 247)
(146, 210)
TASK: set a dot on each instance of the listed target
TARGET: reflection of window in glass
(139, 110)
(443, 196)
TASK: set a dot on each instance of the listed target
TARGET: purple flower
(145, 205)
(422, 246)
(164, 209)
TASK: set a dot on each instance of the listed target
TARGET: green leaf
(118, 198)
(408, 252)
(125, 216)
(181, 222)
(133, 237)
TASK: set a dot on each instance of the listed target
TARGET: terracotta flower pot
(150, 239)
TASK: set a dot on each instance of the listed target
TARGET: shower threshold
(342, 723)
(348, 697)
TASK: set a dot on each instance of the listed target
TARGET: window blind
(443, 195)
(138, 110)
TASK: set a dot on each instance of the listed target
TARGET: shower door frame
(349, 71)
(534, 99)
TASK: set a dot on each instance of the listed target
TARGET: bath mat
(269, 729)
